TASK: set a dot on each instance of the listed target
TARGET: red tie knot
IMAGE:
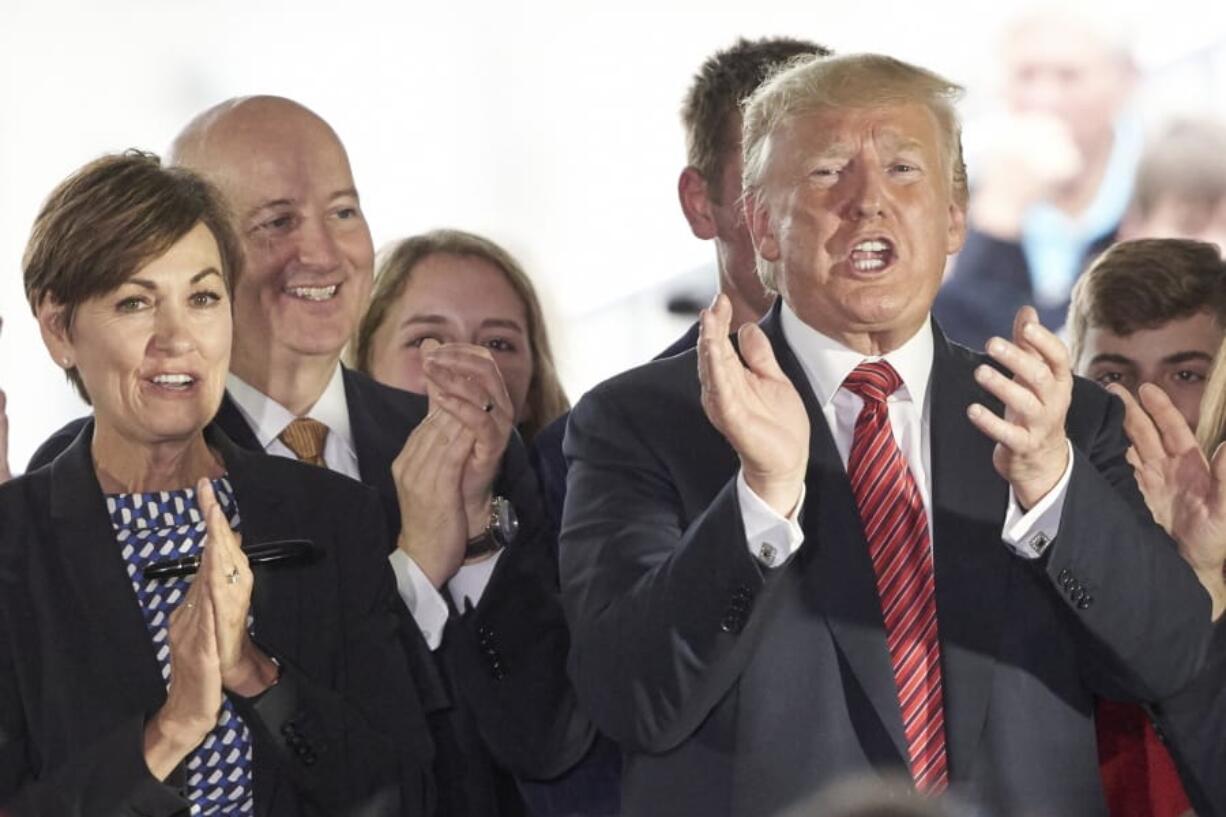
(873, 381)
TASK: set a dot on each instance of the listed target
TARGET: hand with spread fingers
(428, 473)
(1185, 490)
(463, 379)
(754, 405)
(1031, 446)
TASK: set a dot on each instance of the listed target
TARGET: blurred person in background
(449, 286)
(1180, 189)
(1148, 311)
(222, 692)
(878, 796)
(1054, 179)
(452, 501)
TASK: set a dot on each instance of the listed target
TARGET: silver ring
(488, 407)
(232, 576)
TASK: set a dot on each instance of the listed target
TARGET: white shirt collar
(268, 418)
(826, 362)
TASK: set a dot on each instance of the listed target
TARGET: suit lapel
(95, 572)
(230, 420)
(970, 561)
(837, 571)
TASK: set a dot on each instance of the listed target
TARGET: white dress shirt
(268, 419)
(827, 363)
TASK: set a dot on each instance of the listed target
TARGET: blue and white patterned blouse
(156, 526)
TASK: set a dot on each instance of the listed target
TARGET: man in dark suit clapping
(843, 543)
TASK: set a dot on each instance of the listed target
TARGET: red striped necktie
(896, 527)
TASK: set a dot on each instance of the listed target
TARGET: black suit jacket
(736, 690)
(341, 733)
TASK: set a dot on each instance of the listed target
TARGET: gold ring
(232, 576)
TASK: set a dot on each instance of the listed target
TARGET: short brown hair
(1187, 161)
(546, 400)
(109, 219)
(719, 87)
(1145, 283)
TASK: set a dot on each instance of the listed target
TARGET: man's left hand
(464, 380)
(1031, 445)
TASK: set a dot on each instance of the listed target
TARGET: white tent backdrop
(551, 127)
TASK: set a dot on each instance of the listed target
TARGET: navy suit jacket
(342, 733)
(736, 690)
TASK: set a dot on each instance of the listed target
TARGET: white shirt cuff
(1028, 534)
(468, 584)
(772, 538)
(425, 603)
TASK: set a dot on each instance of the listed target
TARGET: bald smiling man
(470, 547)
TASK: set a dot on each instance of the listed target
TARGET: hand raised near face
(428, 474)
(463, 380)
(1031, 445)
(754, 405)
(1185, 491)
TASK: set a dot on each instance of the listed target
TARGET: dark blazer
(736, 690)
(341, 733)
(505, 706)
(1192, 723)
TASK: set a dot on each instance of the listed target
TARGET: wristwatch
(499, 531)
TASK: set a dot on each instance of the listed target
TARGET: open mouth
(176, 382)
(317, 294)
(871, 255)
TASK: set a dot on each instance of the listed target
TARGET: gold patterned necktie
(305, 437)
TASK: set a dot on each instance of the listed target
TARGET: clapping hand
(210, 647)
(463, 380)
(1185, 491)
(1031, 446)
(754, 405)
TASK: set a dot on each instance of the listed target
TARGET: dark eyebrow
(145, 283)
(502, 323)
(1188, 357)
(431, 320)
(1111, 357)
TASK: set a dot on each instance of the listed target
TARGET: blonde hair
(546, 400)
(811, 84)
(1211, 430)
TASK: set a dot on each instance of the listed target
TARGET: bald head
(286, 178)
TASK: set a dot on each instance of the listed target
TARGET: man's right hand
(755, 406)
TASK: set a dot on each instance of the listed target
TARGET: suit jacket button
(1063, 574)
(731, 623)
(1085, 602)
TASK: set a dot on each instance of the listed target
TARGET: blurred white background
(550, 126)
